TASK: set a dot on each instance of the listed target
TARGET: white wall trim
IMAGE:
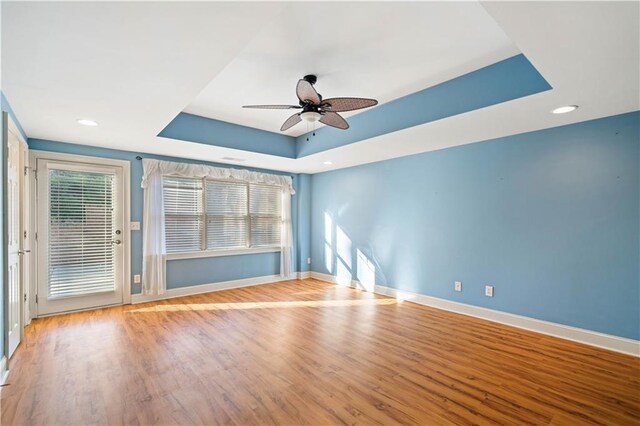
(3, 371)
(580, 335)
(304, 275)
(208, 288)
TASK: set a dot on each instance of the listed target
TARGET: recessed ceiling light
(565, 109)
(86, 122)
(328, 163)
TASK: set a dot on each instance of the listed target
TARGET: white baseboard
(208, 288)
(304, 275)
(593, 338)
(3, 371)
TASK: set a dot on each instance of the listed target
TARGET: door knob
(116, 242)
(21, 252)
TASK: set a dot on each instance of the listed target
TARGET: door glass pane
(81, 230)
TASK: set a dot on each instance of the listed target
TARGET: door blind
(81, 228)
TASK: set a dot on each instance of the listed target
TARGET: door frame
(34, 155)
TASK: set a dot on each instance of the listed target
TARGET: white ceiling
(374, 50)
(130, 66)
(133, 66)
(588, 51)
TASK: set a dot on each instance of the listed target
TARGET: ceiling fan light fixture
(311, 116)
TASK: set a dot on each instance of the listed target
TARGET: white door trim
(27, 230)
(35, 155)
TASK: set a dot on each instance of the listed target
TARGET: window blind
(266, 215)
(206, 214)
(81, 226)
(226, 214)
(183, 210)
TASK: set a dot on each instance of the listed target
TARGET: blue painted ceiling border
(503, 81)
(194, 128)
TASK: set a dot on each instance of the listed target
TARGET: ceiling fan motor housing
(310, 78)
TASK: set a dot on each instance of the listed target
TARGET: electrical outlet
(488, 290)
(308, 261)
(457, 286)
(134, 226)
(136, 279)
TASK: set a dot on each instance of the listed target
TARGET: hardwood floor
(306, 352)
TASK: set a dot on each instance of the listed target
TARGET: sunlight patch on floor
(263, 305)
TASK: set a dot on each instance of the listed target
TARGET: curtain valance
(159, 167)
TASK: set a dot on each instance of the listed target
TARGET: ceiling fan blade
(290, 122)
(335, 120)
(272, 106)
(306, 92)
(348, 104)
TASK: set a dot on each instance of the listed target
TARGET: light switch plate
(136, 279)
(134, 226)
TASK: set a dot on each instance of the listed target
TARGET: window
(213, 215)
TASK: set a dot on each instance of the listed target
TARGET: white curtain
(154, 251)
(286, 235)
(154, 248)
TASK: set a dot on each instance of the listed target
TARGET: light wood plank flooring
(306, 352)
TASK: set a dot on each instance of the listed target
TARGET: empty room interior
(318, 213)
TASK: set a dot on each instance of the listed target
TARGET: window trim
(221, 252)
(205, 252)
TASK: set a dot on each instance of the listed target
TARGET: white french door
(80, 236)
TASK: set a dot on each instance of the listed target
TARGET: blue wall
(304, 223)
(186, 272)
(7, 107)
(550, 218)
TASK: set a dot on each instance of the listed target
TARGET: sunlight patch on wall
(328, 257)
(343, 273)
(343, 246)
(366, 271)
(328, 228)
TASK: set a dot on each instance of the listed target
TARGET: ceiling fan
(314, 108)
